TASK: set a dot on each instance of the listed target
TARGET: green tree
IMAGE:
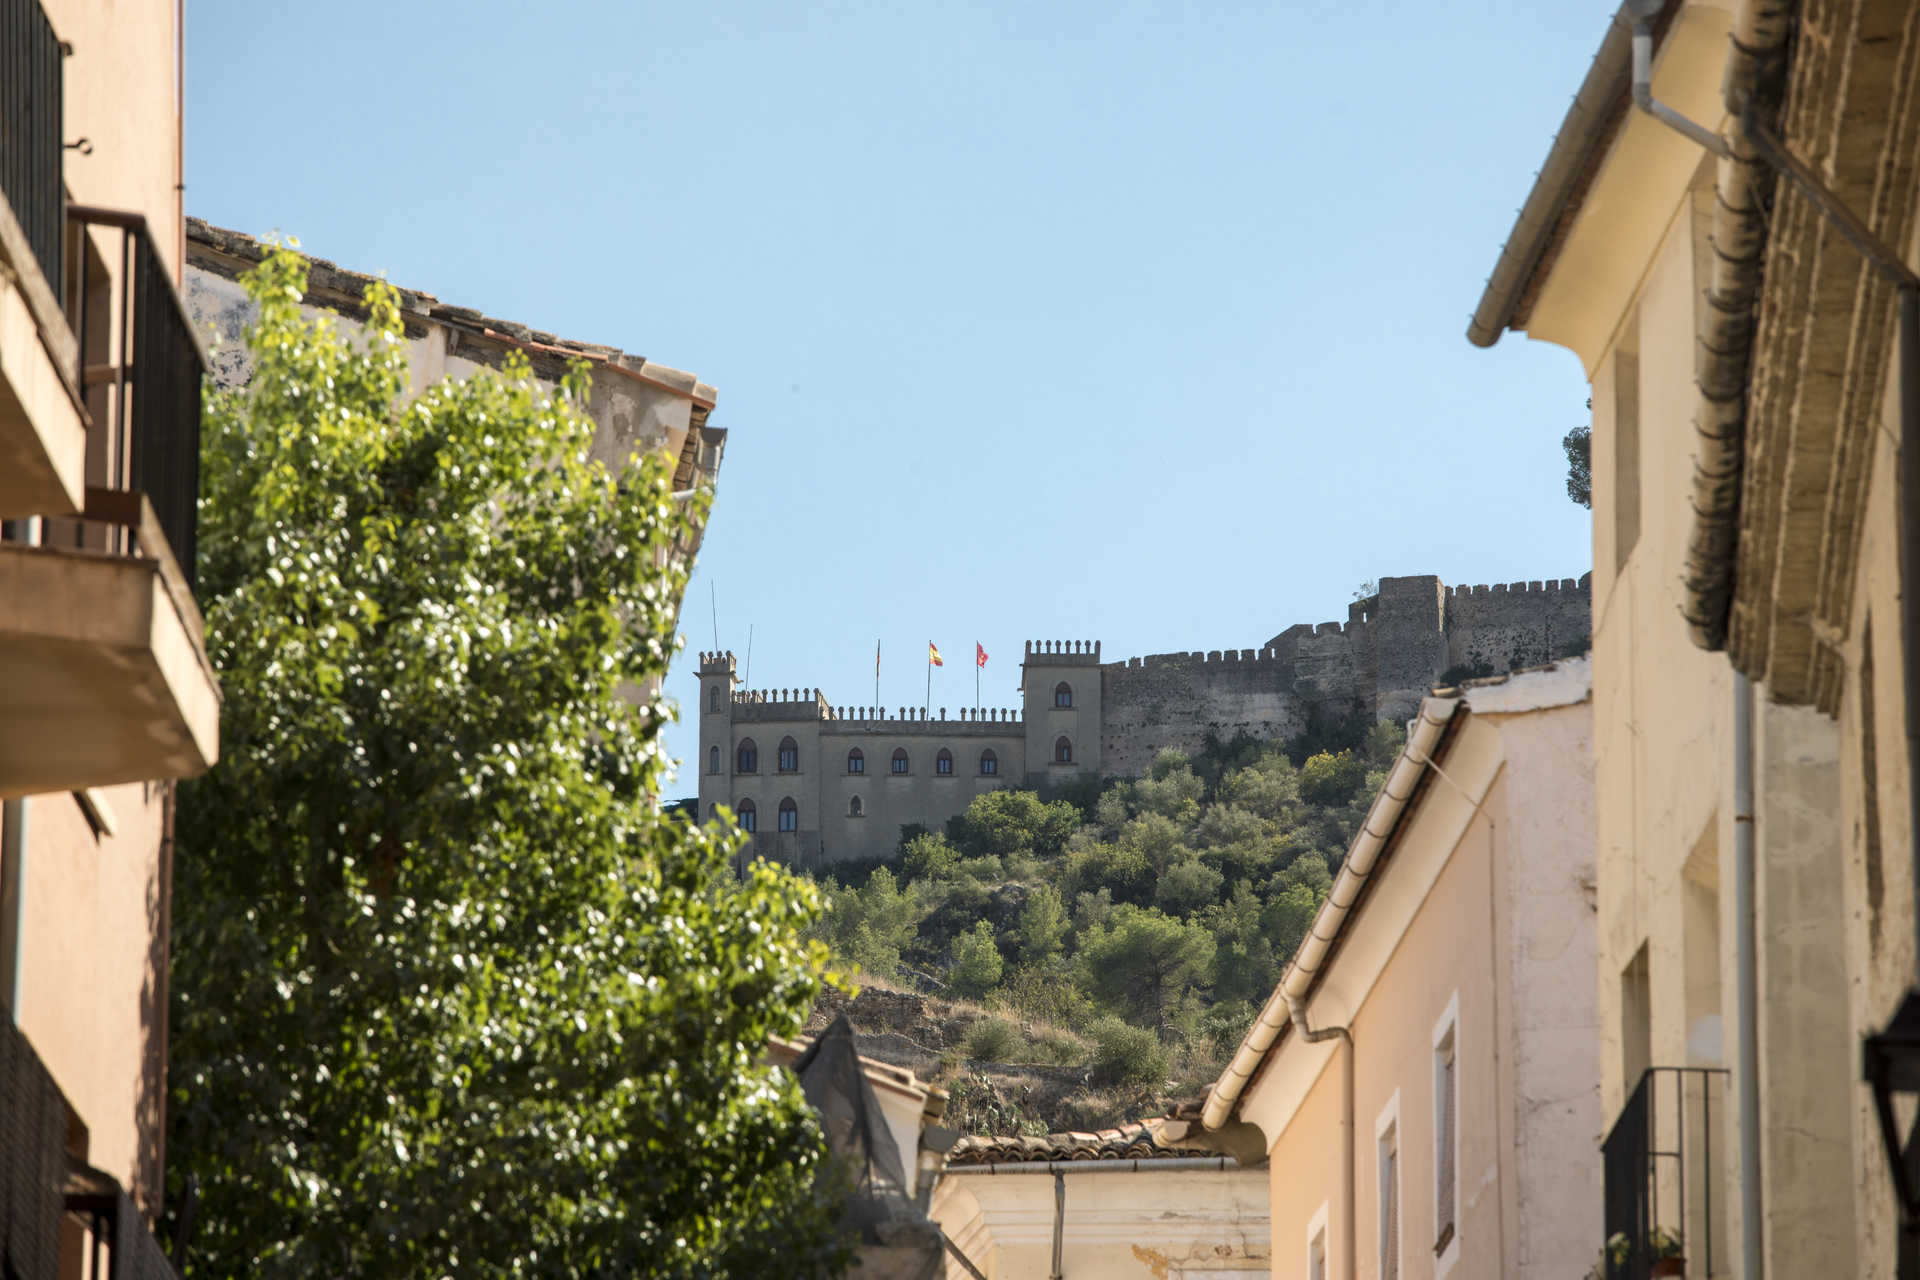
(452, 995)
(870, 926)
(1186, 887)
(1578, 445)
(977, 965)
(1042, 926)
(1143, 964)
(1330, 780)
(929, 857)
(1012, 822)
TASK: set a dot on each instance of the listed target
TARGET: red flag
(979, 654)
(933, 654)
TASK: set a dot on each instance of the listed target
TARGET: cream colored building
(1423, 1080)
(1754, 840)
(1113, 1203)
(106, 694)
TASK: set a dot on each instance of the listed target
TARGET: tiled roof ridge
(1132, 1141)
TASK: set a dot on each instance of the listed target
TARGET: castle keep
(817, 782)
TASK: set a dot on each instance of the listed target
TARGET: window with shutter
(1446, 1105)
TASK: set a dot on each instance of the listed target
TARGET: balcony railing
(1663, 1161)
(151, 367)
(30, 122)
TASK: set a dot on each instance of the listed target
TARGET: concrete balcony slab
(104, 676)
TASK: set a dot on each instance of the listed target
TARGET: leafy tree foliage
(1578, 444)
(1012, 822)
(1146, 962)
(452, 996)
(977, 965)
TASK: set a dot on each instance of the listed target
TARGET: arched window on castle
(900, 760)
(788, 760)
(749, 817)
(1062, 751)
(943, 763)
(1063, 694)
(713, 759)
(789, 815)
(853, 807)
(856, 761)
(746, 759)
(989, 763)
(713, 698)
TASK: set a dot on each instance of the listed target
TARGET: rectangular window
(1626, 456)
(1636, 1021)
(1386, 1139)
(1446, 1137)
(1317, 1244)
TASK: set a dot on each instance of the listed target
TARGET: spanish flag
(933, 655)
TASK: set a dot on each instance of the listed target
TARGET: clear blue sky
(1134, 322)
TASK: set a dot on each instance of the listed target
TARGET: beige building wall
(1815, 579)
(1474, 936)
(93, 891)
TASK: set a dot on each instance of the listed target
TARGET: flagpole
(926, 708)
(876, 677)
(976, 688)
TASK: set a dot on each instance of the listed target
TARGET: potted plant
(1668, 1253)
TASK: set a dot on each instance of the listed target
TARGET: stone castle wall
(1392, 649)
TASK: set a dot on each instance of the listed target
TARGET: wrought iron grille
(1661, 1163)
(30, 123)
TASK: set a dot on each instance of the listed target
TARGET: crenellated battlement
(767, 705)
(1214, 657)
(716, 663)
(1063, 653)
(1583, 583)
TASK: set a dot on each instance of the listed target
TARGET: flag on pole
(979, 654)
(933, 654)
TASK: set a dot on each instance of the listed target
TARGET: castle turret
(1062, 709)
(716, 729)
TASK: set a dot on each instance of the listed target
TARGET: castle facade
(815, 782)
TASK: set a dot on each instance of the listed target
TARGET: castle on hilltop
(816, 782)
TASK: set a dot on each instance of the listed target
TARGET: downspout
(1297, 1012)
(13, 894)
(1059, 1222)
(1746, 952)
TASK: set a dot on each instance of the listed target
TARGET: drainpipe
(13, 893)
(1059, 1222)
(1747, 985)
(1297, 1011)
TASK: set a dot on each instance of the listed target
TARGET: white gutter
(1414, 760)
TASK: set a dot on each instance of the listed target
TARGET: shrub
(1126, 1054)
(993, 1040)
(929, 857)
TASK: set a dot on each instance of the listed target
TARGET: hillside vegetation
(1132, 929)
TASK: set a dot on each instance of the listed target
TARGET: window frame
(789, 813)
(713, 759)
(713, 698)
(1063, 696)
(1063, 750)
(787, 756)
(989, 757)
(1446, 1040)
(856, 761)
(900, 764)
(855, 809)
(943, 763)
(1386, 1140)
(747, 815)
(746, 756)
(1317, 1237)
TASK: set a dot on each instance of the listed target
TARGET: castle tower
(1063, 701)
(714, 763)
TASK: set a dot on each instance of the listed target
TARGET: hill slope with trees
(1131, 930)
